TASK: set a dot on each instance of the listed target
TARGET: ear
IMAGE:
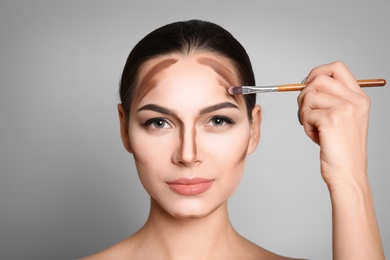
(124, 128)
(254, 129)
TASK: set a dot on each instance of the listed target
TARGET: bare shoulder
(254, 251)
(121, 250)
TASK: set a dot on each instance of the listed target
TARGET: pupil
(217, 121)
(160, 123)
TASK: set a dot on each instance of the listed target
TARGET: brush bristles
(235, 90)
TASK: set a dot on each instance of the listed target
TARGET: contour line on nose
(187, 150)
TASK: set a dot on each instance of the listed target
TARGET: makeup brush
(294, 87)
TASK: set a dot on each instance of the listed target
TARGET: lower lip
(190, 189)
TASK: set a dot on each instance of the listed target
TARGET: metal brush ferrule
(257, 89)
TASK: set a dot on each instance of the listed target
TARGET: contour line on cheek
(148, 82)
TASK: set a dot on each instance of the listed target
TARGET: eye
(158, 123)
(220, 121)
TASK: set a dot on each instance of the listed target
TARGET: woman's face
(189, 137)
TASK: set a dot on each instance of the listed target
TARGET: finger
(299, 116)
(325, 84)
(316, 101)
(319, 100)
(310, 122)
(321, 83)
(313, 110)
(322, 111)
(337, 70)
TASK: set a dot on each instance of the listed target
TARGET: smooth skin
(180, 129)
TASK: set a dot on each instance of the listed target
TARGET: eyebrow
(158, 109)
(217, 107)
(166, 111)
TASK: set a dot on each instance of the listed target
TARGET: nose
(186, 153)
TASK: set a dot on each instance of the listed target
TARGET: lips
(190, 186)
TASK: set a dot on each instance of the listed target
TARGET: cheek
(146, 151)
(227, 154)
(150, 153)
(226, 158)
(229, 149)
(152, 159)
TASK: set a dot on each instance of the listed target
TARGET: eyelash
(154, 121)
(224, 119)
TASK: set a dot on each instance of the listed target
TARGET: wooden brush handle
(362, 83)
(371, 82)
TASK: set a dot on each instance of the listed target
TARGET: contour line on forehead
(148, 82)
(219, 67)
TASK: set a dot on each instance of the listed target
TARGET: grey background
(67, 186)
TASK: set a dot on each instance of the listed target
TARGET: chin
(192, 209)
(189, 215)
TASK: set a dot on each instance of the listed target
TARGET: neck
(197, 238)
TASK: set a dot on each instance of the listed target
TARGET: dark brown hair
(184, 37)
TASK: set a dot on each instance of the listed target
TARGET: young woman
(190, 138)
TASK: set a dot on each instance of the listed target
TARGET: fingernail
(299, 116)
(304, 80)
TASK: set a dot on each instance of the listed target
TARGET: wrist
(346, 177)
(355, 229)
(349, 192)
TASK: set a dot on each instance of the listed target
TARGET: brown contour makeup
(226, 74)
(147, 83)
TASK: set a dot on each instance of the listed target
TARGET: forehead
(149, 72)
